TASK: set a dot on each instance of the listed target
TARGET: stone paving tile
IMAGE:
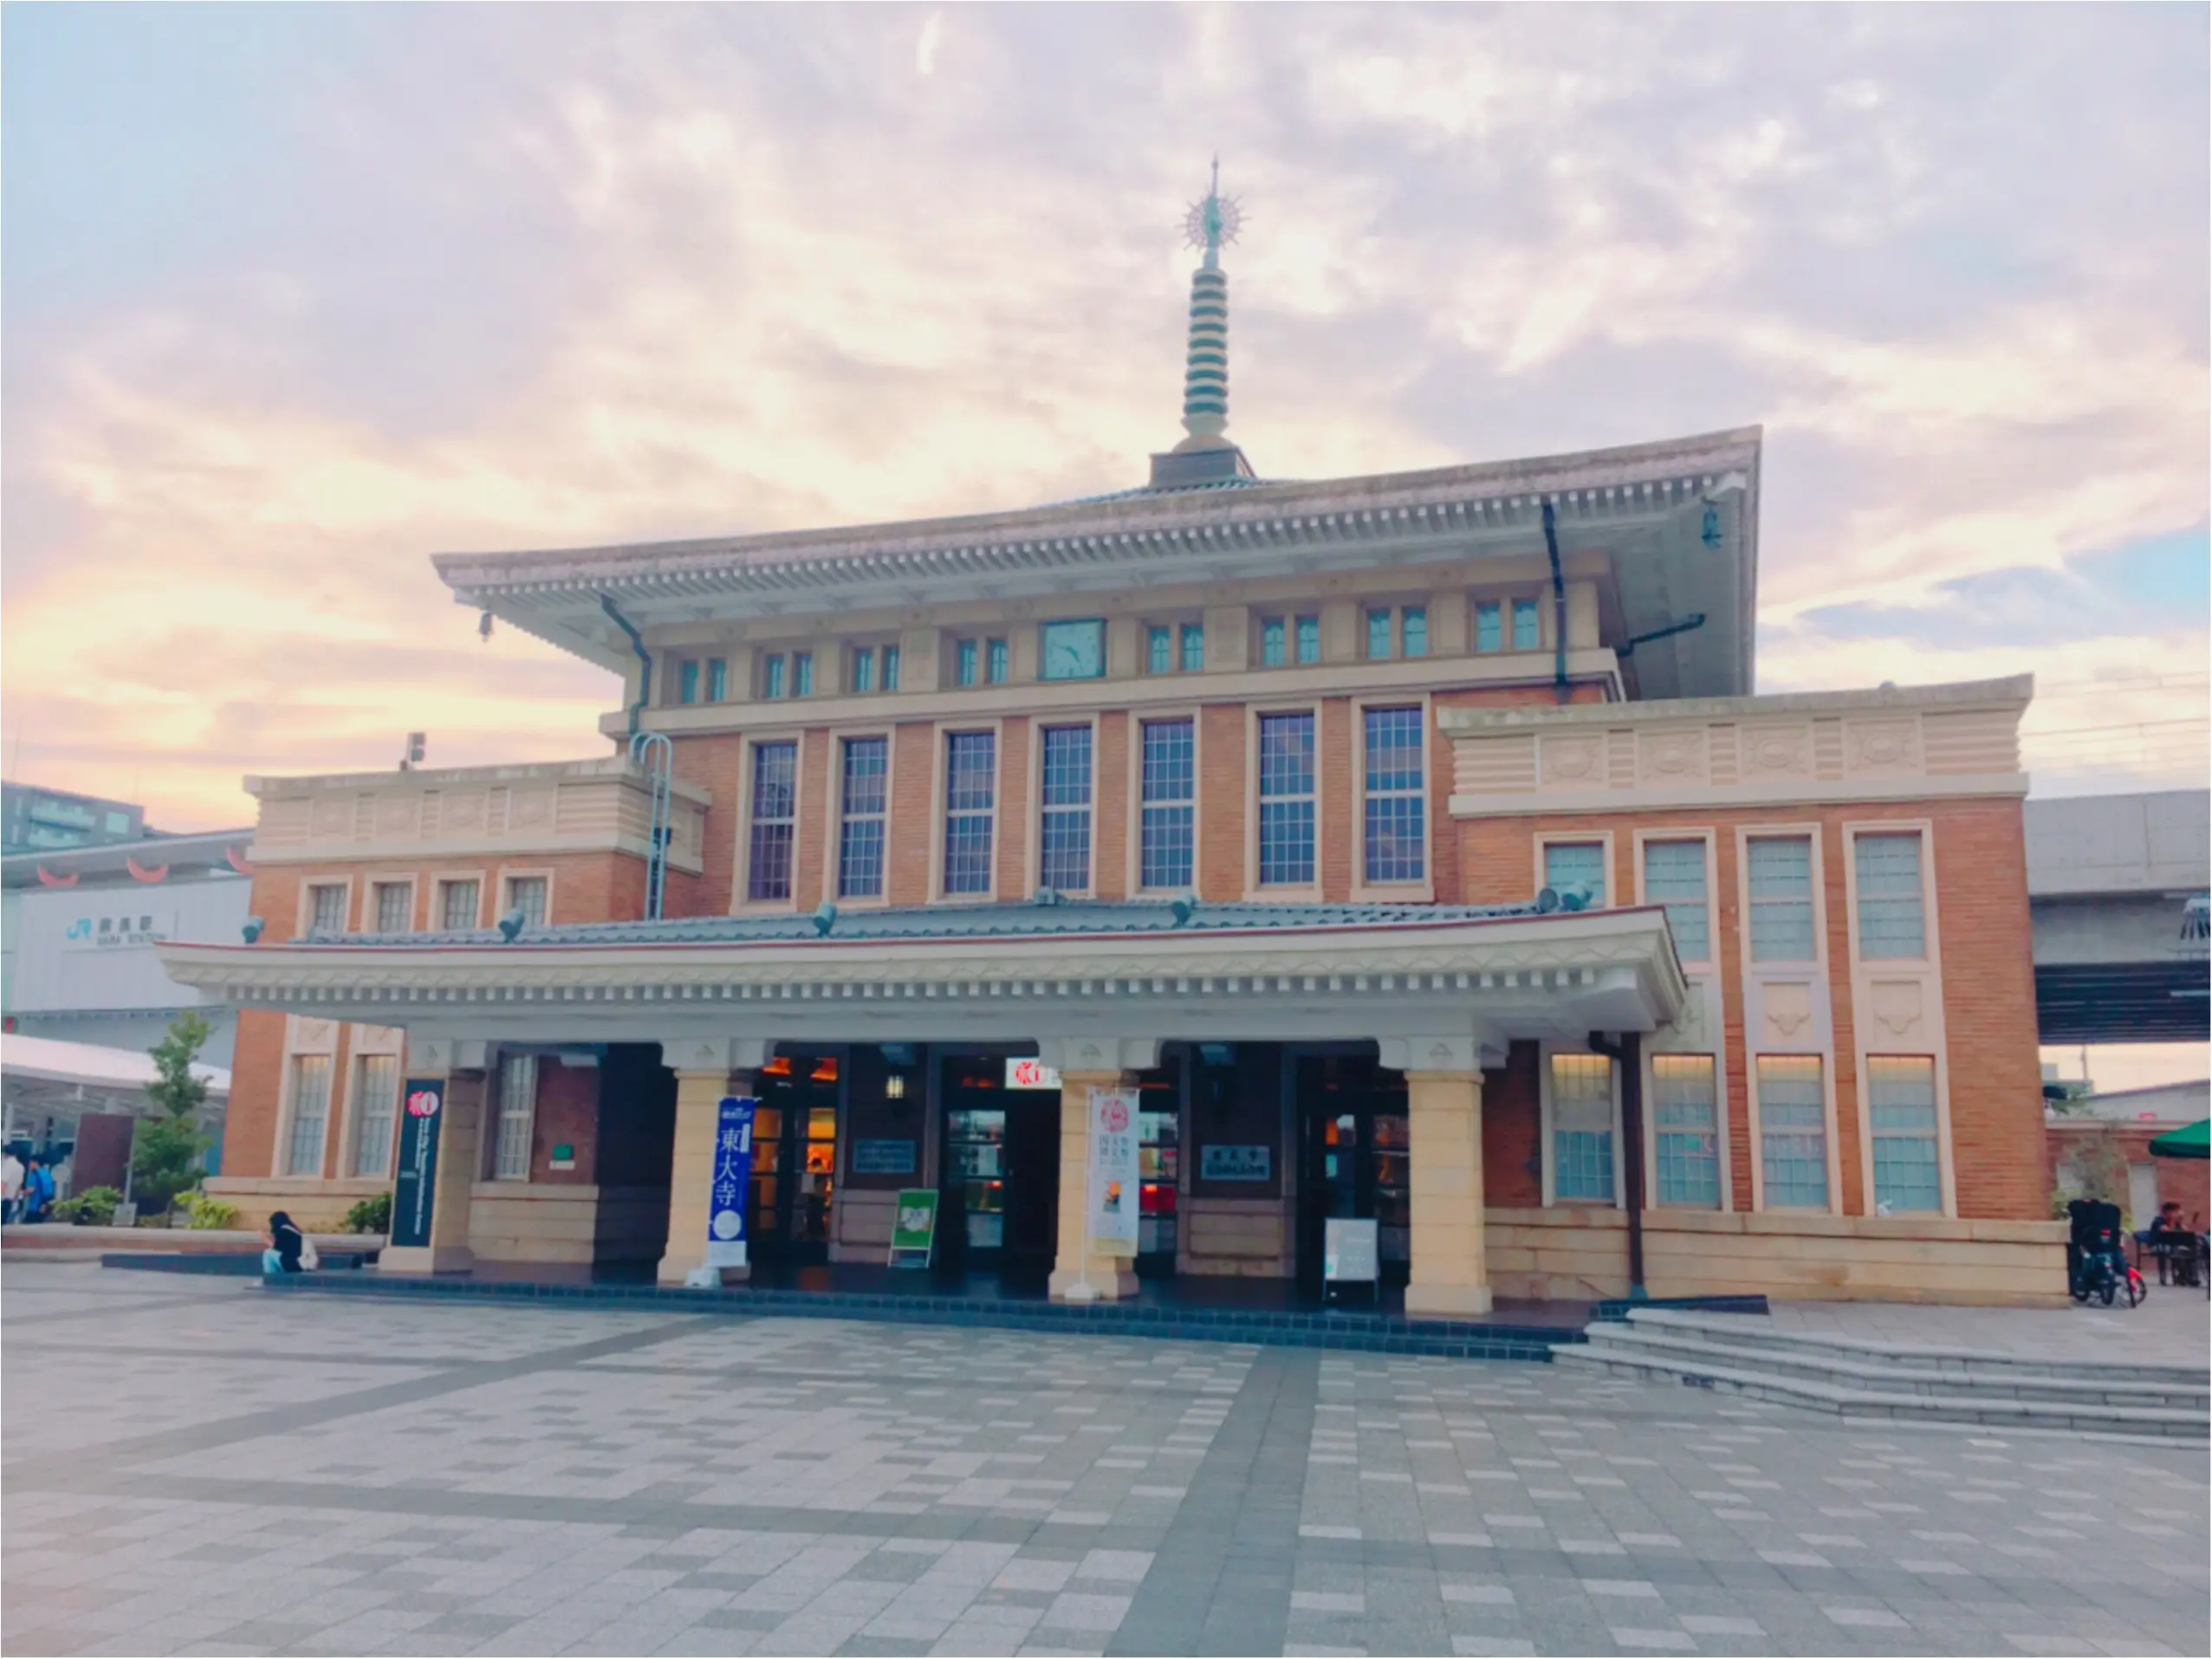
(394, 1478)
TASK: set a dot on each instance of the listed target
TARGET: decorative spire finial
(1205, 379)
(1214, 221)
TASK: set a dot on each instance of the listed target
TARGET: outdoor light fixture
(511, 923)
(825, 918)
(894, 1087)
(252, 929)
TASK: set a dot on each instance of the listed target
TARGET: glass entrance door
(1356, 1160)
(795, 1159)
(999, 1199)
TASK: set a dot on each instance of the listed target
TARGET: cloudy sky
(297, 295)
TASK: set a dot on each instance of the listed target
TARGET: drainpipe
(645, 658)
(1559, 608)
(1629, 1053)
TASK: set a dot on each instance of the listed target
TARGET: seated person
(2172, 1243)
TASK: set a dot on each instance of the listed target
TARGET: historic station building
(1415, 843)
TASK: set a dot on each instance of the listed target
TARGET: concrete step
(2086, 1388)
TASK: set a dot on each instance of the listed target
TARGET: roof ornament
(1205, 377)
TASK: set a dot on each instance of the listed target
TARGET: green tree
(166, 1149)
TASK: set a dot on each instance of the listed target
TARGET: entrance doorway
(795, 1159)
(1354, 1163)
(999, 1205)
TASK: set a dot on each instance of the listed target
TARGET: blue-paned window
(1309, 639)
(1525, 630)
(1489, 626)
(1274, 646)
(1286, 800)
(687, 680)
(1780, 880)
(994, 661)
(1377, 636)
(1674, 875)
(1576, 864)
(1396, 842)
(963, 662)
(1169, 804)
(1158, 647)
(859, 836)
(1194, 647)
(802, 673)
(1582, 1129)
(772, 677)
(717, 679)
(1413, 630)
(1792, 1132)
(1893, 925)
(775, 810)
(971, 791)
(1685, 1118)
(1064, 801)
(1901, 1102)
(891, 668)
(864, 670)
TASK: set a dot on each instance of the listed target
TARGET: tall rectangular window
(717, 679)
(395, 905)
(859, 836)
(1674, 875)
(1194, 647)
(891, 668)
(1413, 630)
(1582, 1129)
(376, 1104)
(775, 812)
(518, 1102)
(1396, 841)
(1377, 636)
(1157, 644)
(1901, 1102)
(1273, 651)
(994, 661)
(310, 1113)
(1685, 1116)
(1169, 802)
(1064, 797)
(459, 905)
(1309, 639)
(1780, 869)
(970, 790)
(1576, 864)
(864, 669)
(1526, 632)
(1793, 1132)
(964, 662)
(772, 677)
(687, 678)
(1891, 923)
(527, 894)
(802, 673)
(327, 908)
(1286, 800)
(1489, 626)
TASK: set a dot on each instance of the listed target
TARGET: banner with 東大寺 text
(730, 1193)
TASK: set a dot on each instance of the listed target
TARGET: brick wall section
(1220, 854)
(1988, 986)
(810, 845)
(907, 876)
(257, 1077)
(1111, 817)
(1010, 834)
(716, 765)
(1513, 1176)
(1337, 801)
(567, 1114)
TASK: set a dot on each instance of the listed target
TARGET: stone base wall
(315, 1205)
(518, 1221)
(1247, 1238)
(1575, 1255)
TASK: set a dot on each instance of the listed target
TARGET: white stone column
(1084, 1064)
(1443, 1092)
(706, 1069)
(466, 1066)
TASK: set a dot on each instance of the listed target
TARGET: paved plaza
(194, 1467)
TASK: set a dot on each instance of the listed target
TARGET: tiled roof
(1028, 920)
(1145, 492)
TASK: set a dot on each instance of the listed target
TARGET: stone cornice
(451, 777)
(2014, 692)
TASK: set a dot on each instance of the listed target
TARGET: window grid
(395, 904)
(864, 669)
(1576, 864)
(1526, 632)
(1194, 647)
(1167, 793)
(1891, 924)
(859, 840)
(772, 678)
(891, 668)
(1377, 636)
(1273, 652)
(1901, 1102)
(376, 1104)
(1286, 800)
(687, 677)
(994, 661)
(326, 908)
(1674, 875)
(1685, 1114)
(1489, 627)
(717, 679)
(1157, 646)
(460, 905)
(518, 1098)
(1309, 639)
(802, 673)
(1792, 1132)
(527, 894)
(1413, 630)
(1582, 1128)
(1396, 843)
(964, 662)
(1781, 875)
(970, 787)
(1064, 796)
(775, 803)
(310, 1113)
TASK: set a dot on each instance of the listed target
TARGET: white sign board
(1111, 1210)
(1348, 1253)
(1031, 1074)
(106, 928)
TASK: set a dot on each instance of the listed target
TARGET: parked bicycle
(2096, 1263)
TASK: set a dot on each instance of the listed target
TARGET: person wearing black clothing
(284, 1242)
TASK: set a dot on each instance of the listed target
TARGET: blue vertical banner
(732, 1189)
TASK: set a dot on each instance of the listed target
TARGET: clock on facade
(1075, 650)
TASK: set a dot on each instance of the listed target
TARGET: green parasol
(2188, 1143)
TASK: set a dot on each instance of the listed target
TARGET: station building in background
(1415, 843)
